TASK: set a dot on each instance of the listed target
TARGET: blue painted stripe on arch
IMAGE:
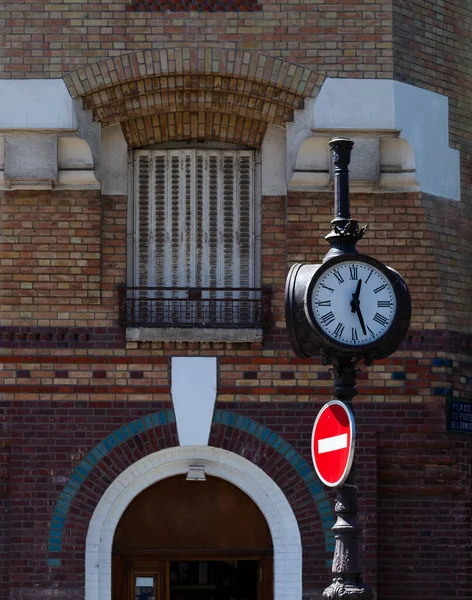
(125, 432)
(54, 562)
(266, 435)
(294, 458)
(87, 465)
(147, 422)
(246, 424)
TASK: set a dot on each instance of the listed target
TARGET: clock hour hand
(355, 297)
(356, 306)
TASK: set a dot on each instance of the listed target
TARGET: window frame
(257, 207)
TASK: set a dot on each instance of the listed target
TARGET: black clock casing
(309, 337)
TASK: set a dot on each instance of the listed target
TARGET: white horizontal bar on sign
(337, 442)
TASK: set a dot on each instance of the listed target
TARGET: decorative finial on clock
(345, 232)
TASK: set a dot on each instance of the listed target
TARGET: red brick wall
(423, 511)
(4, 509)
(61, 387)
(62, 254)
(416, 519)
(51, 256)
(332, 38)
(92, 344)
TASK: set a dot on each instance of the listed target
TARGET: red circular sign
(332, 443)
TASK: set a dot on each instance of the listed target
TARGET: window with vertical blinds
(194, 218)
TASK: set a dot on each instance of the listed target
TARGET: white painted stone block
(193, 394)
(274, 162)
(114, 162)
(364, 166)
(350, 104)
(30, 161)
(36, 104)
(420, 116)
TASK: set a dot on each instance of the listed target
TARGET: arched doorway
(189, 540)
(158, 466)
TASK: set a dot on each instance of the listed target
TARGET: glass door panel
(146, 585)
(144, 588)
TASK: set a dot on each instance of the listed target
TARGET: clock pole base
(347, 590)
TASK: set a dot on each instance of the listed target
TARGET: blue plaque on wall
(458, 415)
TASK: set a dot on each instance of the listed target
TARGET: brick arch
(150, 433)
(187, 93)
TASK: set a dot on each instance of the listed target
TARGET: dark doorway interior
(186, 540)
(214, 580)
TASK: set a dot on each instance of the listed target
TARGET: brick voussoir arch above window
(191, 93)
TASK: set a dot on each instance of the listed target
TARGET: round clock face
(353, 303)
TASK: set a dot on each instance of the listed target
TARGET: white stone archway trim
(175, 461)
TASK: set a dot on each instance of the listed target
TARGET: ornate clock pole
(347, 309)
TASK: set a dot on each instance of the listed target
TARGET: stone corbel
(75, 165)
(379, 163)
(312, 169)
(397, 166)
(45, 161)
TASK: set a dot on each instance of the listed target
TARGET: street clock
(351, 305)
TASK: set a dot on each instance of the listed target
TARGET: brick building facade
(129, 133)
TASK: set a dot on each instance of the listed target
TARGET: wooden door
(139, 578)
(176, 521)
(185, 517)
(155, 579)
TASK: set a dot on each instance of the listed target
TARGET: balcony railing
(195, 307)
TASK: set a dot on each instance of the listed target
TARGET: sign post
(335, 461)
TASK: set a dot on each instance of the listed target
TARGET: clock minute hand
(361, 320)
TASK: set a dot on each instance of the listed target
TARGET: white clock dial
(353, 303)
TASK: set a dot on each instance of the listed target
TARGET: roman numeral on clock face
(380, 288)
(339, 329)
(328, 318)
(354, 336)
(384, 303)
(380, 319)
(353, 272)
(338, 276)
(323, 303)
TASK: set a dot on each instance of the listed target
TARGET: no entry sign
(332, 443)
